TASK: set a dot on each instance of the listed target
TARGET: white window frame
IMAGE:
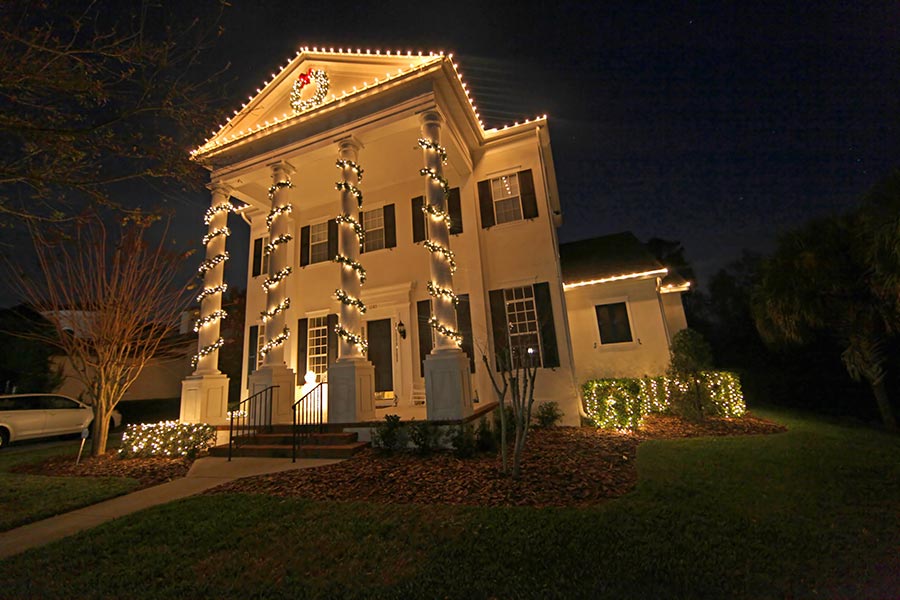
(368, 246)
(518, 197)
(313, 259)
(525, 299)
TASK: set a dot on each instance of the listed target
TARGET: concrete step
(285, 450)
(310, 439)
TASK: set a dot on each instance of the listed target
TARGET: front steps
(279, 444)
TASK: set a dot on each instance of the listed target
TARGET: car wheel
(4, 438)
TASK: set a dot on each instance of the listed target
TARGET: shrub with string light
(168, 438)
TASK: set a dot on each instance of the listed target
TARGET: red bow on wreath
(304, 78)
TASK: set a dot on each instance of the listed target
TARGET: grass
(811, 512)
(27, 498)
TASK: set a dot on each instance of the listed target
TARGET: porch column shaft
(442, 306)
(207, 326)
(277, 300)
(349, 249)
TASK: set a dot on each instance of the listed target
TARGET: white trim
(663, 271)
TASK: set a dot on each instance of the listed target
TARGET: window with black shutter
(523, 327)
(507, 198)
(464, 322)
(252, 343)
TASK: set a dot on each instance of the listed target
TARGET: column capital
(349, 143)
(431, 117)
(282, 166)
(219, 187)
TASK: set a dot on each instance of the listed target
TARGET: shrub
(548, 414)
(623, 403)
(485, 440)
(390, 435)
(463, 441)
(425, 436)
(167, 438)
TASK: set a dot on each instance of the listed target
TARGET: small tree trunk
(698, 397)
(99, 432)
(503, 426)
(884, 405)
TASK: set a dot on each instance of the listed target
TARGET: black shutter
(423, 313)
(331, 339)
(454, 207)
(418, 219)
(302, 340)
(390, 227)
(526, 192)
(500, 329)
(464, 321)
(257, 256)
(304, 246)
(486, 203)
(544, 308)
(332, 239)
(252, 341)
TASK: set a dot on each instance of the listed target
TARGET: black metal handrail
(254, 414)
(308, 415)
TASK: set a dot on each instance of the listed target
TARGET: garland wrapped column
(277, 299)
(443, 263)
(350, 239)
(212, 269)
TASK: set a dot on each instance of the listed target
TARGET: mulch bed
(564, 466)
(148, 471)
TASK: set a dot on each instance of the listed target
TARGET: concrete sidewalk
(205, 473)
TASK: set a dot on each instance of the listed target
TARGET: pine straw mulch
(148, 471)
(564, 466)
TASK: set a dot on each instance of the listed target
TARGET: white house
(394, 242)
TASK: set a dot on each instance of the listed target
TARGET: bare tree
(517, 370)
(112, 304)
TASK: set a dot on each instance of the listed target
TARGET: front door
(380, 342)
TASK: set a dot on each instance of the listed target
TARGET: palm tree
(819, 280)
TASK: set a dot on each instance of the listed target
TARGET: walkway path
(205, 473)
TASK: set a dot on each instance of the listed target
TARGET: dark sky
(718, 125)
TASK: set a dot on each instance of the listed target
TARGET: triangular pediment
(346, 72)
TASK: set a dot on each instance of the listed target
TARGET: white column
(277, 300)
(448, 386)
(351, 380)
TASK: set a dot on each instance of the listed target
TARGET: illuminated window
(522, 322)
(507, 200)
(613, 322)
(318, 243)
(317, 347)
(373, 224)
(260, 341)
(260, 258)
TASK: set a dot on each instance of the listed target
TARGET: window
(318, 242)
(317, 346)
(260, 342)
(523, 328)
(373, 224)
(505, 193)
(507, 198)
(522, 322)
(260, 258)
(612, 320)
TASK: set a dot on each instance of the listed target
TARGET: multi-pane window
(613, 322)
(317, 347)
(373, 223)
(260, 341)
(265, 256)
(318, 243)
(522, 320)
(507, 200)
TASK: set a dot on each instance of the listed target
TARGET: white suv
(26, 416)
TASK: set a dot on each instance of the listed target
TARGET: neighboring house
(443, 252)
(623, 305)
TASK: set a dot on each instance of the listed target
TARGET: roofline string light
(658, 272)
(346, 298)
(425, 61)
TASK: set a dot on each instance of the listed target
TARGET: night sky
(715, 125)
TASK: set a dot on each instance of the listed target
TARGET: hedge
(624, 402)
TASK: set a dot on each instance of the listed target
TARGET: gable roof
(352, 73)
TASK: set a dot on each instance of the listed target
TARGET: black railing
(308, 415)
(253, 415)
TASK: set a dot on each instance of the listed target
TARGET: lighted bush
(166, 438)
(623, 403)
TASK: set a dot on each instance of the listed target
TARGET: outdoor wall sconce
(401, 330)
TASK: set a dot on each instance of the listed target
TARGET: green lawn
(27, 498)
(814, 512)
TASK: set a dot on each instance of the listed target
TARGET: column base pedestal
(204, 399)
(448, 385)
(351, 391)
(283, 396)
